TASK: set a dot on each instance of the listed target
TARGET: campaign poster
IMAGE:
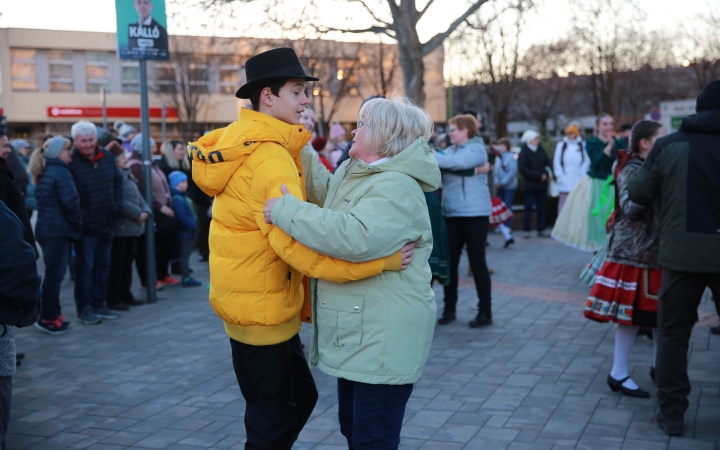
(141, 29)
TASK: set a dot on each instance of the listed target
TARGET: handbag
(553, 190)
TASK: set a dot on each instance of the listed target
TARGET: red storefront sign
(94, 111)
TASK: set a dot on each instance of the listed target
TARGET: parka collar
(292, 137)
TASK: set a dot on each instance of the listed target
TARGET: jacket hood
(217, 155)
(706, 122)
(416, 161)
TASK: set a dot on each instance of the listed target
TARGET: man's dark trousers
(279, 392)
(680, 296)
(92, 269)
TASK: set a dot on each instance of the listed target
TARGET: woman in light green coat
(374, 335)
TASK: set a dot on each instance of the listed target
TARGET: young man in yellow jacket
(259, 283)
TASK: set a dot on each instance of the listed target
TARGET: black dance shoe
(617, 385)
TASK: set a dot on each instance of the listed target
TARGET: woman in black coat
(532, 165)
(59, 223)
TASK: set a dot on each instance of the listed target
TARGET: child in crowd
(187, 228)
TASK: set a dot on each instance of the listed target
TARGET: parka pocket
(339, 322)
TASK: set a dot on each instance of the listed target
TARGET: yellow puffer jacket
(258, 283)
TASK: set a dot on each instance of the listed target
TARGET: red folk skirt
(625, 294)
(500, 212)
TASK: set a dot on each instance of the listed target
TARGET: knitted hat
(17, 144)
(709, 98)
(176, 177)
(107, 138)
(117, 125)
(319, 143)
(136, 143)
(529, 135)
(572, 128)
(125, 130)
(337, 131)
(54, 148)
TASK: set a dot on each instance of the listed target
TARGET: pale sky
(99, 15)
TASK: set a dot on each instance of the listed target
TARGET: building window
(198, 77)
(97, 71)
(229, 79)
(24, 71)
(61, 70)
(130, 77)
(165, 77)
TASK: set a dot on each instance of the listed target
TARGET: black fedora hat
(271, 66)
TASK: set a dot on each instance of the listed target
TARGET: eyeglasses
(452, 129)
(360, 125)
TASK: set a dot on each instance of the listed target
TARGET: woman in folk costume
(581, 223)
(628, 283)
(504, 171)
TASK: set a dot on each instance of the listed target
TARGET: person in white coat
(570, 163)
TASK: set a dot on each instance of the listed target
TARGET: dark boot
(481, 320)
(447, 317)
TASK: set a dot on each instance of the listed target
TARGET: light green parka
(377, 330)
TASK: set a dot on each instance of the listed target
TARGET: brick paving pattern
(161, 376)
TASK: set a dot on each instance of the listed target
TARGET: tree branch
(424, 10)
(438, 39)
(371, 12)
(374, 29)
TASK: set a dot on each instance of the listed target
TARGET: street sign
(146, 38)
(141, 30)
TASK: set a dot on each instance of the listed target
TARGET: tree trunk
(410, 55)
(500, 120)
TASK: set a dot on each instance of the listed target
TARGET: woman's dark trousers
(55, 255)
(371, 415)
(164, 250)
(538, 201)
(120, 280)
(472, 232)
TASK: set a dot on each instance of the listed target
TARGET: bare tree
(540, 91)
(701, 49)
(378, 68)
(183, 82)
(489, 51)
(337, 66)
(398, 21)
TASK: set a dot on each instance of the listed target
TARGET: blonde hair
(392, 125)
(168, 150)
(37, 163)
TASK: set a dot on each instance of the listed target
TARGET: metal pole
(104, 107)
(164, 115)
(147, 178)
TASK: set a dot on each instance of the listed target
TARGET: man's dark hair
(625, 127)
(472, 112)
(274, 88)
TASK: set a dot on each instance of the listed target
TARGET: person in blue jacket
(187, 227)
(19, 295)
(59, 224)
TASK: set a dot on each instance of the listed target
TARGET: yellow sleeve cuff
(393, 262)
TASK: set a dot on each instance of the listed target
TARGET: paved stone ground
(161, 376)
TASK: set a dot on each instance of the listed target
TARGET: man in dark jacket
(9, 192)
(532, 164)
(99, 183)
(19, 295)
(683, 171)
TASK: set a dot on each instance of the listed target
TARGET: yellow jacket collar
(292, 137)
